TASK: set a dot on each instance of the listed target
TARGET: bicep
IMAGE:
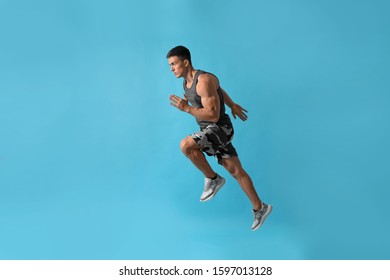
(207, 90)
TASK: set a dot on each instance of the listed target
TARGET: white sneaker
(261, 215)
(211, 187)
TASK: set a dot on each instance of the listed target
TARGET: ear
(186, 62)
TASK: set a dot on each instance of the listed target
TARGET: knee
(186, 145)
(237, 172)
(234, 167)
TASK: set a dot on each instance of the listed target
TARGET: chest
(193, 97)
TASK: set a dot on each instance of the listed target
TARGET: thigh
(211, 136)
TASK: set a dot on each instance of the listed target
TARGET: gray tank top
(195, 101)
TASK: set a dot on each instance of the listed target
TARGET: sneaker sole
(215, 192)
(264, 218)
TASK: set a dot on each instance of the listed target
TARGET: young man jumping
(208, 99)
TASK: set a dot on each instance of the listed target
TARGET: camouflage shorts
(216, 141)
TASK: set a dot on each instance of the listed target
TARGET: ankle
(258, 207)
(213, 177)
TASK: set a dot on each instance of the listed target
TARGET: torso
(195, 100)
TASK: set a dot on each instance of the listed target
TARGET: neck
(189, 76)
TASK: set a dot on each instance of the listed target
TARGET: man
(208, 101)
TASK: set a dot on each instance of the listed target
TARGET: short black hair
(181, 52)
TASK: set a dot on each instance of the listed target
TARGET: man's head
(179, 58)
(181, 52)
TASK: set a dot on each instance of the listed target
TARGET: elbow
(214, 118)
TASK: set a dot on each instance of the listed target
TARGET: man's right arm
(237, 110)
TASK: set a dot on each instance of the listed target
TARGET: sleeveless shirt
(195, 100)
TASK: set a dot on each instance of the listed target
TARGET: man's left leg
(260, 209)
(233, 165)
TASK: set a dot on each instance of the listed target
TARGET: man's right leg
(192, 150)
(213, 182)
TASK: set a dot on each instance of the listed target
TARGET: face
(178, 66)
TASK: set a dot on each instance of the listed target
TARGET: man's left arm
(207, 90)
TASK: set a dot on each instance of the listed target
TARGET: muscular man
(208, 99)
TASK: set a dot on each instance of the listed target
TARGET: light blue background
(90, 166)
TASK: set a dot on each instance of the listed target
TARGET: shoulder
(208, 79)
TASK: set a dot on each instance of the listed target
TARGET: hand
(179, 103)
(237, 110)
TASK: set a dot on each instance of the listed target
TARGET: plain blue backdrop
(90, 165)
